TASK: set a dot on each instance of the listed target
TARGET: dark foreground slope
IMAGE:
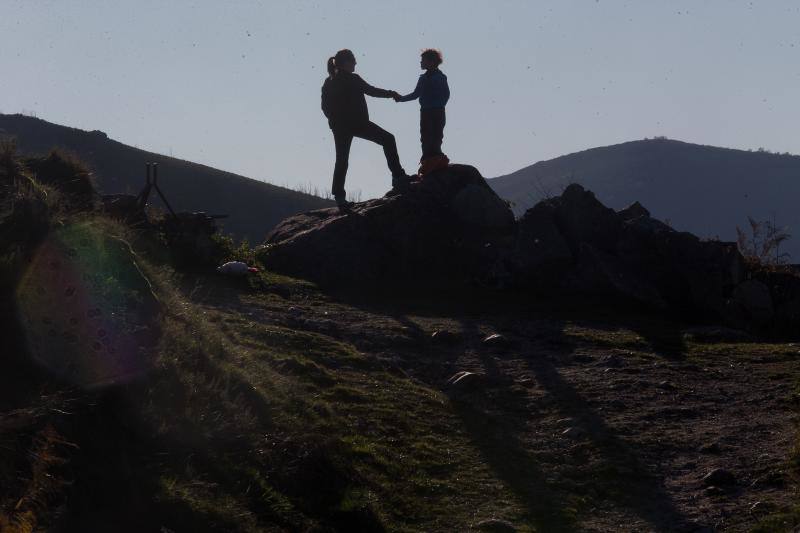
(267, 404)
(253, 206)
(702, 189)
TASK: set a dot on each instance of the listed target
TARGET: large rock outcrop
(451, 226)
(573, 243)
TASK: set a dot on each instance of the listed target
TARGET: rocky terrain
(452, 228)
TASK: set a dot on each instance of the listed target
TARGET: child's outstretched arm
(411, 96)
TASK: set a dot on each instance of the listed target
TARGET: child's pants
(431, 130)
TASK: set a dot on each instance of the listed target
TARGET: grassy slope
(277, 407)
(671, 409)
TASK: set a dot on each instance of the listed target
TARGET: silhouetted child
(433, 93)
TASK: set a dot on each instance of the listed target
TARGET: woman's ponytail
(331, 67)
(342, 57)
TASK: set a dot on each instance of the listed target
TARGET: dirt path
(601, 423)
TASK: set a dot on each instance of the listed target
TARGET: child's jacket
(432, 90)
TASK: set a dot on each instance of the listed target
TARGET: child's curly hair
(433, 54)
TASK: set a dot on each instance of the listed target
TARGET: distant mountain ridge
(253, 207)
(706, 190)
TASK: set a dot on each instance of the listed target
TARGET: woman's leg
(342, 140)
(373, 132)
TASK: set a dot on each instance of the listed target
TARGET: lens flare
(88, 313)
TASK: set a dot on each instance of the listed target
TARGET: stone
(573, 433)
(541, 255)
(601, 273)
(719, 477)
(496, 340)
(633, 211)
(712, 448)
(443, 336)
(754, 299)
(464, 380)
(474, 206)
(761, 507)
(495, 525)
(427, 234)
(627, 256)
(582, 218)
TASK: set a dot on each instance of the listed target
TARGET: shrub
(66, 173)
(762, 244)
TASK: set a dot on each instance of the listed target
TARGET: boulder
(541, 253)
(573, 243)
(753, 298)
(719, 477)
(449, 226)
(581, 217)
(694, 277)
(601, 273)
(633, 212)
(784, 289)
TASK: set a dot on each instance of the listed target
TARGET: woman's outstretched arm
(374, 91)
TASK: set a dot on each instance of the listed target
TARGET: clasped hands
(396, 96)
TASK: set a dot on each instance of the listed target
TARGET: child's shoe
(430, 164)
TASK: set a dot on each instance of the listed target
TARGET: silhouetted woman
(345, 107)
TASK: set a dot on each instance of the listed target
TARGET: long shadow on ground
(620, 476)
(498, 419)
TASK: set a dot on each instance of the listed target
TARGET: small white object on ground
(234, 268)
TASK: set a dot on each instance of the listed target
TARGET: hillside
(254, 207)
(137, 396)
(706, 190)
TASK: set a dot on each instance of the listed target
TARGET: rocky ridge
(452, 228)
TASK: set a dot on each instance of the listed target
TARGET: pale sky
(235, 85)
